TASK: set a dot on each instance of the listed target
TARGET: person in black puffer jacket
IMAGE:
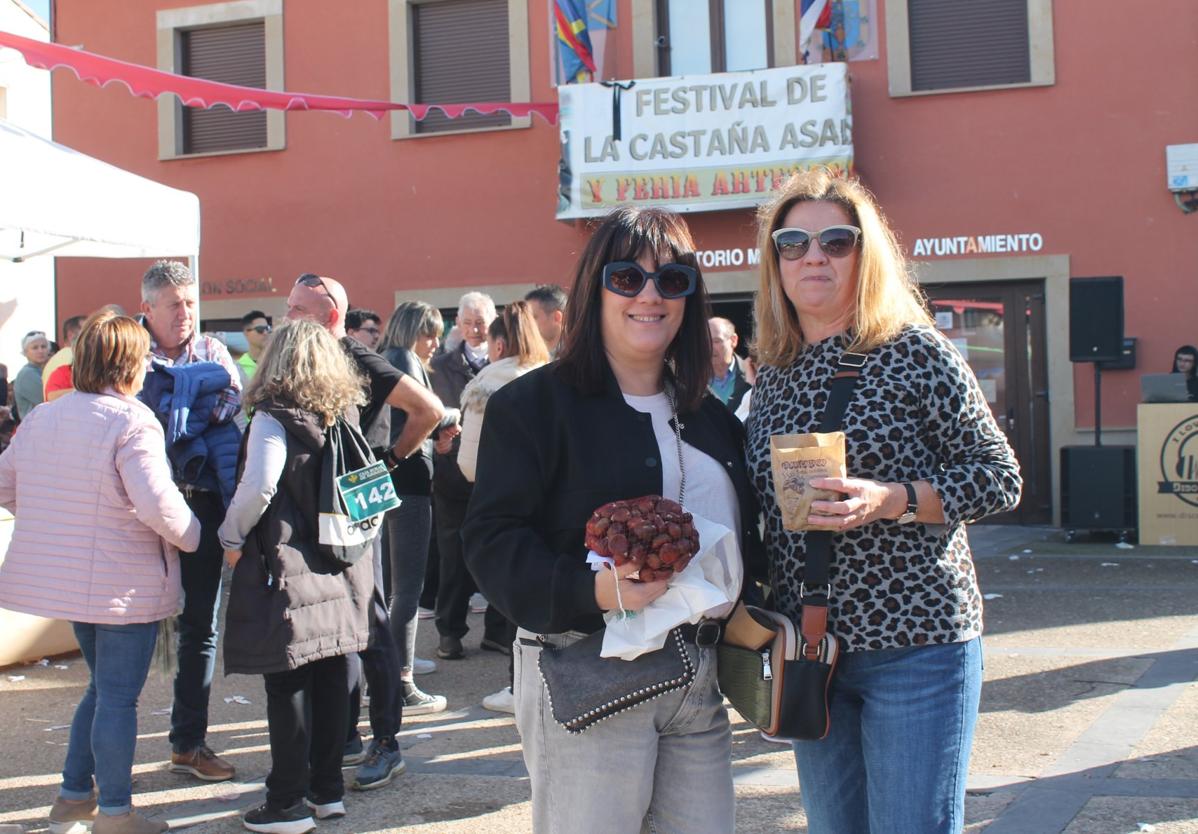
(293, 617)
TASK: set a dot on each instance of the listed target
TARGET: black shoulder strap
(815, 588)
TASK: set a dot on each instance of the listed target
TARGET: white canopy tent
(57, 201)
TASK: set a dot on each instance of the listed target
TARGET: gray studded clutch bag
(585, 688)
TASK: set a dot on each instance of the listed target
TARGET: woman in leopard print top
(905, 604)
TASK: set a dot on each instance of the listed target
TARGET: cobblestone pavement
(1089, 720)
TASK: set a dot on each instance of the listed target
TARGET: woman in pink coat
(98, 521)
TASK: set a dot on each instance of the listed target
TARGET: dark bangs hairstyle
(625, 235)
(1190, 351)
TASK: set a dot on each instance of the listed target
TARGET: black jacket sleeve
(534, 584)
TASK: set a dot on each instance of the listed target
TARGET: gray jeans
(664, 766)
(408, 528)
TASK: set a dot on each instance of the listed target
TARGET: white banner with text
(700, 142)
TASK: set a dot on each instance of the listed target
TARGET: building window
(455, 51)
(232, 55)
(937, 46)
(234, 43)
(460, 53)
(695, 38)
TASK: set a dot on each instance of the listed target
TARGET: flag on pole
(601, 14)
(814, 15)
(573, 41)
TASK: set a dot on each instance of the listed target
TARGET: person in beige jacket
(516, 347)
(99, 523)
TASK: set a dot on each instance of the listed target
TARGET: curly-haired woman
(292, 617)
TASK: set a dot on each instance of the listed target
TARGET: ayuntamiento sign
(700, 142)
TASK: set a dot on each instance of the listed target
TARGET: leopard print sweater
(917, 413)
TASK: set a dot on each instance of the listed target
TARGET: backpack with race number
(355, 492)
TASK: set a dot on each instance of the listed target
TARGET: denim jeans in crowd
(405, 538)
(663, 767)
(201, 577)
(897, 757)
(104, 731)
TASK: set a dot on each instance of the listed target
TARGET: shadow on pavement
(1160, 803)
(1056, 688)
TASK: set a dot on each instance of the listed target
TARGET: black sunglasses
(261, 328)
(311, 279)
(628, 279)
(834, 241)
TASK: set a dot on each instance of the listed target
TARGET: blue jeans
(897, 757)
(104, 731)
(201, 577)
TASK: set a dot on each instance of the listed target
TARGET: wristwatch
(912, 506)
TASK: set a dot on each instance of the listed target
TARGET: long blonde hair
(887, 299)
(305, 365)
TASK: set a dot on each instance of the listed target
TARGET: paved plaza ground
(1089, 720)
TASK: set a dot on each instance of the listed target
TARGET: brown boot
(130, 823)
(203, 764)
(69, 816)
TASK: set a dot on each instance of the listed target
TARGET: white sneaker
(421, 703)
(425, 613)
(327, 811)
(423, 667)
(478, 603)
(501, 701)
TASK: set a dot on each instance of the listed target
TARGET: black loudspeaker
(1126, 362)
(1098, 487)
(1096, 319)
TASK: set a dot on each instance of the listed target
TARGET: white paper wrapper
(709, 587)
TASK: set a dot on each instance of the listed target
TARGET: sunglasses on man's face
(628, 279)
(260, 329)
(834, 241)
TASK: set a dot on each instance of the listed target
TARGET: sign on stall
(1167, 452)
(700, 142)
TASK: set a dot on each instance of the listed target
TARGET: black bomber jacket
(550, 454)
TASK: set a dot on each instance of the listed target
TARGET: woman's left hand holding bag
(865, 501)
(232, 557)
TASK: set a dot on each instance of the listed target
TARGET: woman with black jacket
(623, 413)
(413, 333)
